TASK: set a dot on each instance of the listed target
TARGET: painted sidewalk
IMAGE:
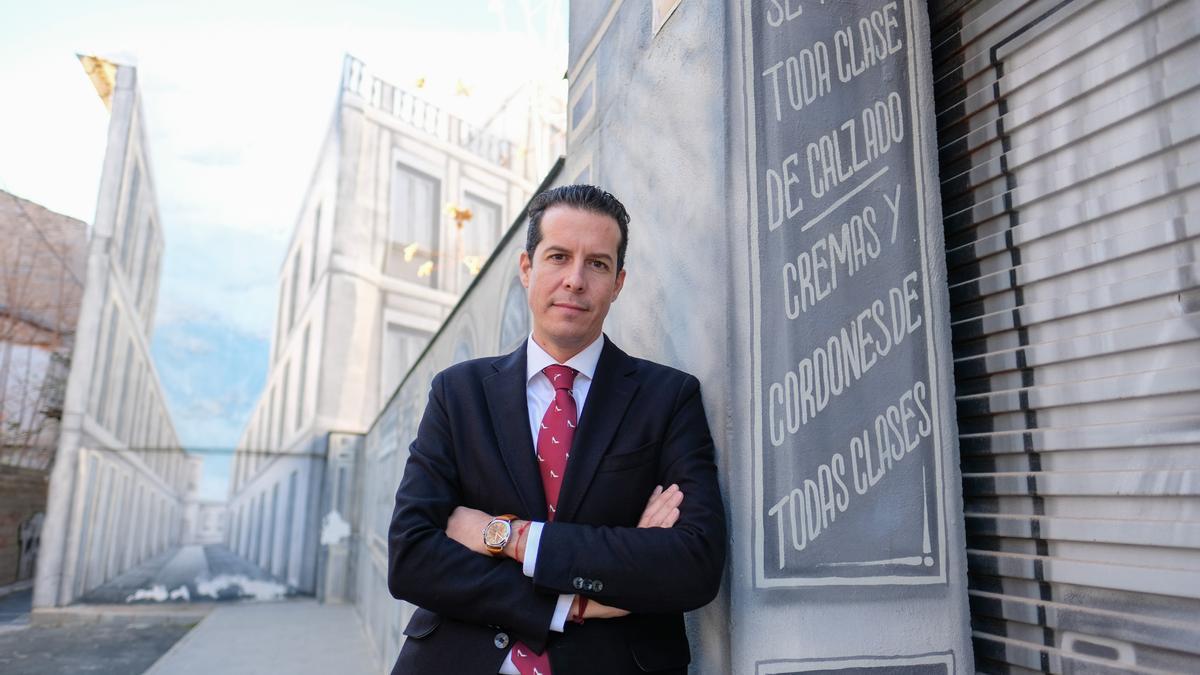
(291, 636)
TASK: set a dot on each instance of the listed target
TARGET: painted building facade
(376, 261)
(119, 476)
(1025, 171)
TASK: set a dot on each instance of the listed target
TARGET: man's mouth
(569, 305)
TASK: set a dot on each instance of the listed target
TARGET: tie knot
(561, 377)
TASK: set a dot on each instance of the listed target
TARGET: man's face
(572, 278)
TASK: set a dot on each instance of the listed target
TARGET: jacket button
(501, 640)
(577, 582)
(597, 585)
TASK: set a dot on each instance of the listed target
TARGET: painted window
(477, 238)
(401, 348)
(131, 209)
(101, 397)
(412, 242)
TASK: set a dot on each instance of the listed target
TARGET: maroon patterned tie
(553, 451)
(554, 437)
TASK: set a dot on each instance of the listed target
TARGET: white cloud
(191, 344)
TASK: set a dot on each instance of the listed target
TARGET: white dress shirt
(539, 392)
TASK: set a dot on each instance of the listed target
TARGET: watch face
(496, 533)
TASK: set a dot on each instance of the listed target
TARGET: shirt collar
(584, 362)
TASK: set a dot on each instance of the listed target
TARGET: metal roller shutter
(1069, 133)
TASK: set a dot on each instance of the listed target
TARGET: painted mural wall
(492, 318)
(375, 264)
(781, 251)
(794, 176)
(120, 478)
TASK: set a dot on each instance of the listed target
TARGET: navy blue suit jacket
(643, 425)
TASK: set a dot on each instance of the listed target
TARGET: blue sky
(237, 98)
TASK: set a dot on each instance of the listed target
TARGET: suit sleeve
(428, 569)
(652, 570)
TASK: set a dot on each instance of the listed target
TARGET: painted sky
(237, 98)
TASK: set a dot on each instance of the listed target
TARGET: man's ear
(619, 285)
(525, 264)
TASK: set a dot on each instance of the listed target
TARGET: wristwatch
(497, 533)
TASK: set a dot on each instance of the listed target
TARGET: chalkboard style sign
(848, 443)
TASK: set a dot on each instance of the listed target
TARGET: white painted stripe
(586, 54)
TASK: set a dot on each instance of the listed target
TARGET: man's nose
(574, 278)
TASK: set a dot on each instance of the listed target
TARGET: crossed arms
(674, 565)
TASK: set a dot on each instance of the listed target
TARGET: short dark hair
(586, 197)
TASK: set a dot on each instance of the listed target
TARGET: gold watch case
(497, 533)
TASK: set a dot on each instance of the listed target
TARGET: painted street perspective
(190, 573)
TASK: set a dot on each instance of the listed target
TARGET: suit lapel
(607, 400)
(505, 392)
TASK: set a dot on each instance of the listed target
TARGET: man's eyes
(598, 265)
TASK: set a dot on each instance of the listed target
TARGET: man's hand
(662, 510)
(597, 610)
(466, 524)
(466, 527)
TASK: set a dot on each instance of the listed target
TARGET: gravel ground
(111, 648)
(96, 649)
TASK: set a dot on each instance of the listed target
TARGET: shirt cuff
(531, 548)
(561, 611)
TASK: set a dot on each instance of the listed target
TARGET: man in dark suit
(532, 528)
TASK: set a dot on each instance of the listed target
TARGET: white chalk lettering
(778, 13)
(782, 201)
(889, 438)
(838, 155)
(810, 509)
(894, 205)
(843, 359)
(850, 249)
(806, 77)
(860, 47)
